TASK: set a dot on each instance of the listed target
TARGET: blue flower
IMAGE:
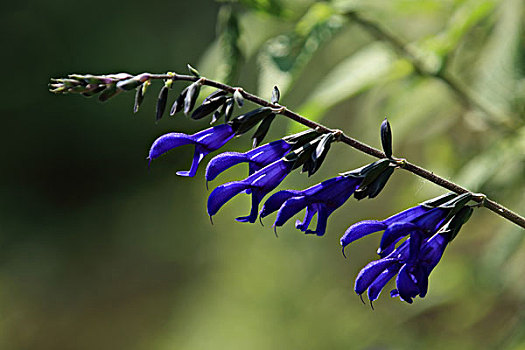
(256, 158)
(429, 227)
(205, 141)
(259, 184)
(419, 218)
(412, 261)
(323, 199)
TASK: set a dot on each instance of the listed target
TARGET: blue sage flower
(412, 262)
(396, 227)
(429, 227)
(256, 158)
(205, 141)
(323, 199)
(427, 217)
(258, 184)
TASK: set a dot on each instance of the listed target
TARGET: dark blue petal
(416, 238)
(205, 142)
(303, 226)
(405, 285)
(380, 282)
(259, 183)
(275, 201)
(432, 251)
(322, 220)
(402, 252)
(432, 220)
(323, 190)
(263, 181)
(257, 158)
(291, 207)
(197, 157)
(369, 274)
(214, 138)
(270, 176)
(395, 232)
(252, 168)
(335, 191)
(361, 229)
(387, 251)
(222, 162)
(167, 142)
(406, 215)
(421, 277)
(323, 198)
(256, 199)
(269, 153)
(219, 196)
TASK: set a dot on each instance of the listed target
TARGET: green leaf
(254, 31)
(230, 33)
(497, 74)
(468, 14)
(433, 51)
(428, 99)
(223, 58)
(373, 64)
(498, 259)
(283, 58)
(498, 157)
(272, 7)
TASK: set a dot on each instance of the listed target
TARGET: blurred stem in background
(466, 96)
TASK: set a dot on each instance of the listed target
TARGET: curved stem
(363, 147)
(342, 137)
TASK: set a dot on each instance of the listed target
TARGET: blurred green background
(97, 252)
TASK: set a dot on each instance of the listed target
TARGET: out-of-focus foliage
(361, 71)
(99, 253)
(284, 57)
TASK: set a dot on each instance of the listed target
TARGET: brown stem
(363, 147)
